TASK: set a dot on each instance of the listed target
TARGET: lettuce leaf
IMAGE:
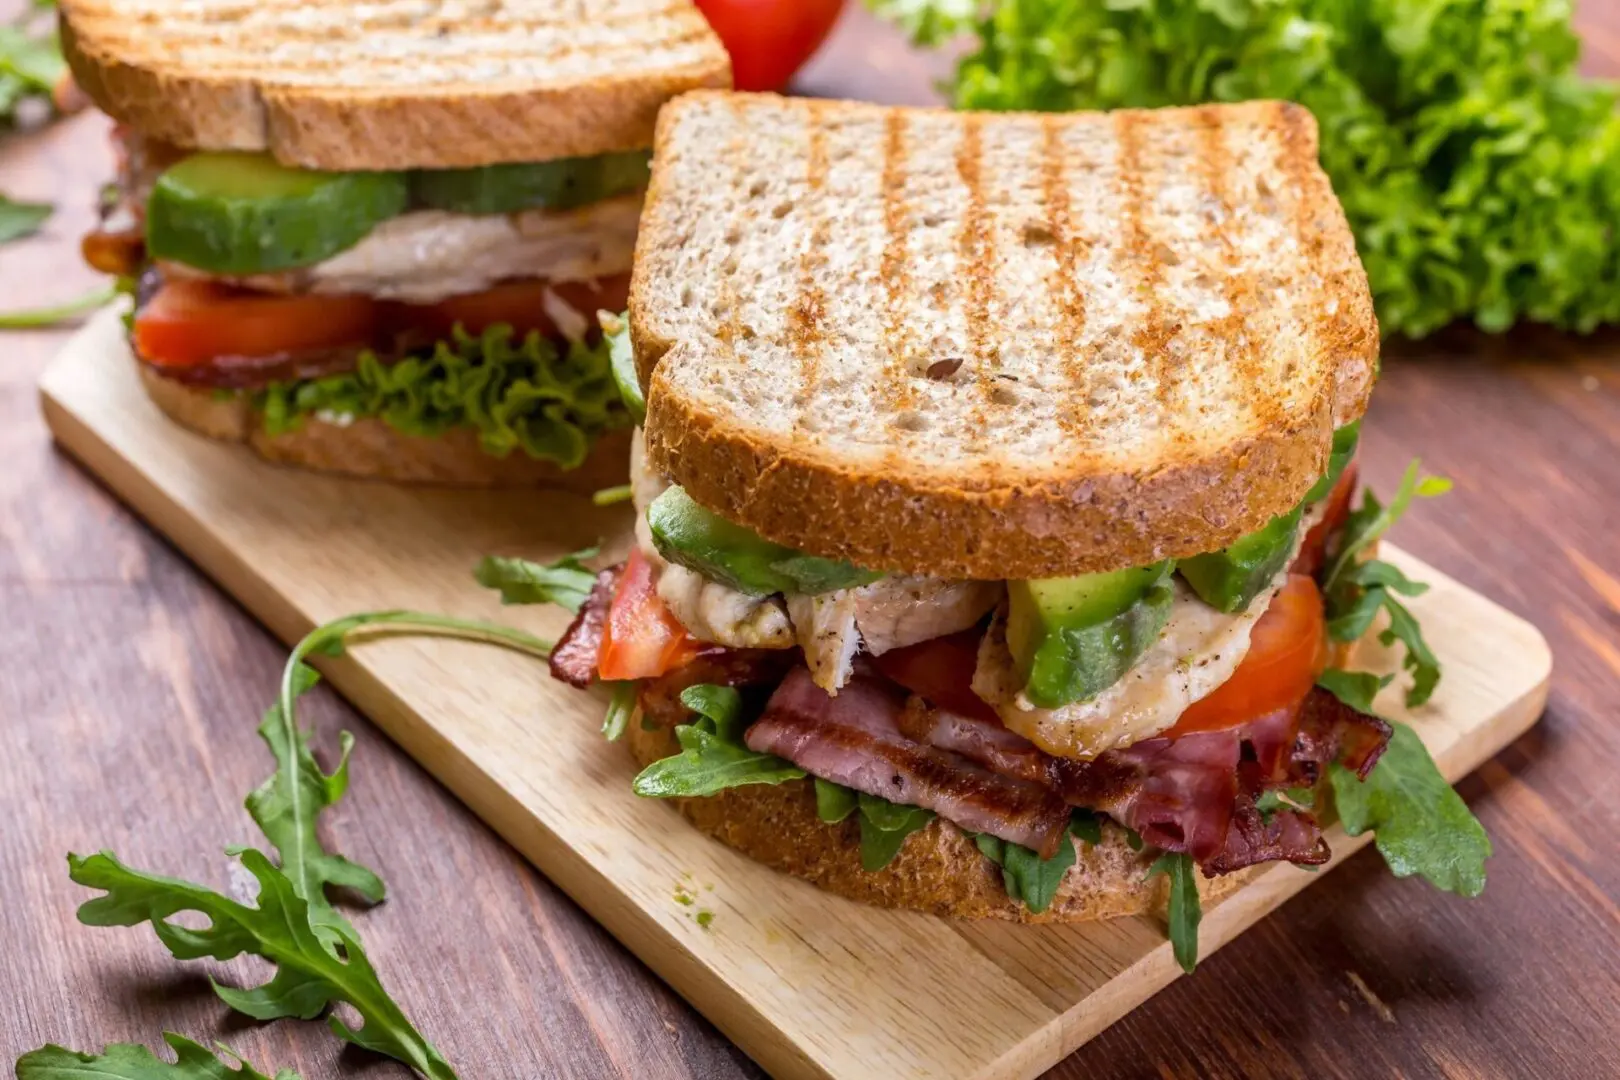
(1479, 171)
(517, 394)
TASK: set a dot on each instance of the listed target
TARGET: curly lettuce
(1480, 173)
(517, 393)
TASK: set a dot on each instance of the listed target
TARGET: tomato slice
(1313, 551)
(941, 672)
(769, 40)
(521, 305)
(1287, 651)
(187, 323)
(642, 640)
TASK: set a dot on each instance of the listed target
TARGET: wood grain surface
(810, 986)
(130, 687)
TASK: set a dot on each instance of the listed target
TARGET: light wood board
(808, 984)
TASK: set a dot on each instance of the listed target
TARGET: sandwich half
(373, 239)
(993, 472)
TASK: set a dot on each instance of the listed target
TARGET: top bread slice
(995, 345)
(392, 84)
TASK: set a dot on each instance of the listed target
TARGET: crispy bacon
(1330, 730)
(660, 698)
(1194, 794)
(1291, 835)
(573, 658)
(855, 739)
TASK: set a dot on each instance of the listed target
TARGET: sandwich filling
(428, 300)
(1177, 700)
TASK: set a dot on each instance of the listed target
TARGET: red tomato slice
(519, 304)
(642, 640)
(1313, 551)
(194, 322)
(940, 671)
(770, 39)
(1287, 651)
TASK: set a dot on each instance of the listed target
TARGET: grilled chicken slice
(717, 613)
(825, 627)
(904, 609)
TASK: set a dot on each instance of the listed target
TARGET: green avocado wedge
(1072, 638)
(239, 213)
(701, 540)
(1228, 580)
(549, 185)
(1344, 448)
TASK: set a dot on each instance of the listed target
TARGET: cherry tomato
(519, 304)
(1313, 551)
(194, 322)
(1287, 651)
(941, 672)
(769, 40)
(641, 640)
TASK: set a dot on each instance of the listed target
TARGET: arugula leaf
(566, 582)
(1356, 592)
(884, 828)
(1422, 825)
(1186, 910)
(127, 1061)
(713, 756)
(612, 496)
(1356, 689)
(20, 219)
(1026, 876)
(287, 804)
(1479, 171)
(310, 976)
(622, 359)
(38, 318)
(834, 802)
(1272, 800)
(620, 706)
(1087, 825)
(517, 393)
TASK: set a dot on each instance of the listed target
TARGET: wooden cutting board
(808, 984)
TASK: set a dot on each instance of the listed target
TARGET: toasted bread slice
(391, 85)
(370, 449)
(995, 345)
(939, 870)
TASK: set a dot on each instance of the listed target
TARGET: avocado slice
(1228, 580)
(551, 185)
(1344, 448)
(240, 213)
(1072, 638)
(689, 535)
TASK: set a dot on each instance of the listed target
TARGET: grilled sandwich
(373, 239)
(991, 471)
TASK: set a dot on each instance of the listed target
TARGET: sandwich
(995, 550)
(373, 239)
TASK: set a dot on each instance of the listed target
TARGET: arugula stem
(331, 639)
(49, 316)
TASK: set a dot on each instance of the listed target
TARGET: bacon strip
(1293, 835)
(660, 698)
(855, 739)
(573, 658)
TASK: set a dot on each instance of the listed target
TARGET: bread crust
(238, 103)
(1061, 514)
(938, 871)
(370, 449)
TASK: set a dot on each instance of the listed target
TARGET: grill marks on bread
(1019, 358)
(392, 83)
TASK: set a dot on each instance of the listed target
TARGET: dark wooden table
(130, 688)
